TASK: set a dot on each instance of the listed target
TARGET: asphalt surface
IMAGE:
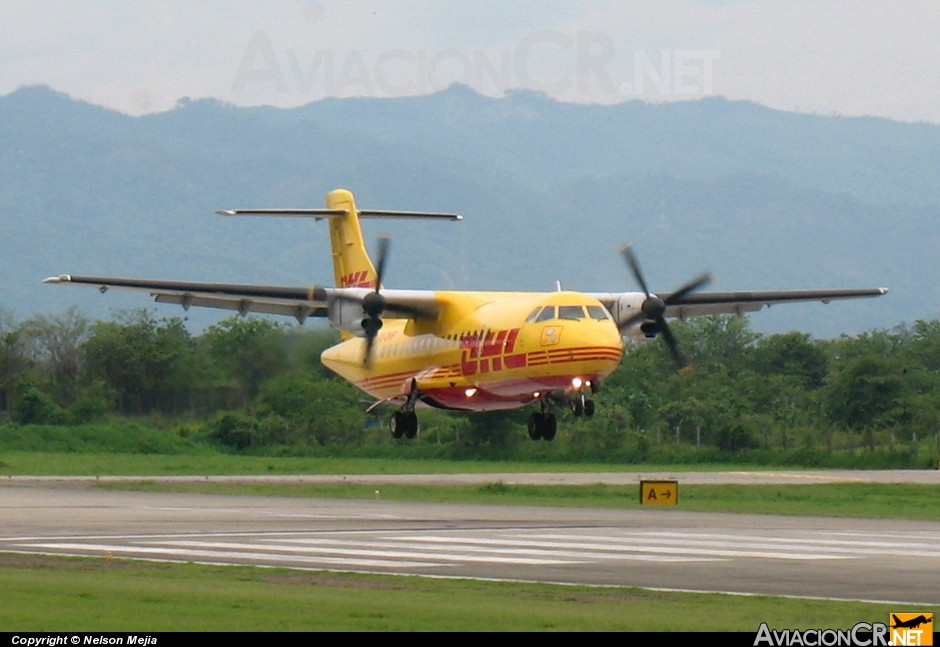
(662, 547)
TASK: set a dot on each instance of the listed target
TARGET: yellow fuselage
(487, 351)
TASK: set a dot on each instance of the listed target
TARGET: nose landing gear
(581, 404)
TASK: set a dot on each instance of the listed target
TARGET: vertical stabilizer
(352, 266)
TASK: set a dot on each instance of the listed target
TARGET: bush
(37, 407)
(233, 430)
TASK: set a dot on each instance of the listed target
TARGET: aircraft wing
(700, 303)
(297, 302)
(738, 302)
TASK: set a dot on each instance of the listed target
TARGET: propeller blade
(691, 286)
(372, 326)
(367, 355)
(677, 355)
(384, 242)
(654, 308)
(634, 267)
(374, 304)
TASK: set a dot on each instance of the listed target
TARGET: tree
(720, 339)
(313, 411)
(247, 350)
(14, 361)
(146, 362)
(866, 392)
(791, 354)
(57, 343)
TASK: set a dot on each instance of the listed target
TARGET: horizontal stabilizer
(320, 214)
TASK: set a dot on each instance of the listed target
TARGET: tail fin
(352, 266)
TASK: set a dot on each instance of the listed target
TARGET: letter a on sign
(659, 492)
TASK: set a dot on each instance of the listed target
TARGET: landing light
(577, 382)
(470, 392)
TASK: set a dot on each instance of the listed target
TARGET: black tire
(578, 406)
(536, 423)
(397, 424)
(411, 424)
(589, 408)
(549, 426)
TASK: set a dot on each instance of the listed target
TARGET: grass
(858, 500)
(65, 594)
(132, 464)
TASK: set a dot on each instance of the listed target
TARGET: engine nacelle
(348, 317)
(627, 306)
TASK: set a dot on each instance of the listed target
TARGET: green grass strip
(858, 500)
(69, 594)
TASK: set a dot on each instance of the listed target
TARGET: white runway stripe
(625, 550)
(893, 544)
(520, 546)
(130, 551)
(336, 549)
(470, 546)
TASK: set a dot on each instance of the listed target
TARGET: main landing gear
(543, 424)
(404, 423)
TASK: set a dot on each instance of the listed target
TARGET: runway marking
(834, 548)
(446, 549)
(384, 552)
(470, 546)
(626, 551)
(131, 550)
(396, 550)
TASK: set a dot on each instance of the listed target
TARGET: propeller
(374, 303)
(654, 308)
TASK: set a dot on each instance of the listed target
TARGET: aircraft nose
(596, 340)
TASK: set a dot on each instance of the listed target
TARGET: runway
(656, 548)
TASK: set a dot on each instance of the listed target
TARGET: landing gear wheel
(549, 426)
(397, 424)
(411, 424)
(578, 406)
(536, 422)
(589, 408)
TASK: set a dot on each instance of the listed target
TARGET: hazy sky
(852, 57)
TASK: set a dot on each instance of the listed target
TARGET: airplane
(463, 350)
(909, 624)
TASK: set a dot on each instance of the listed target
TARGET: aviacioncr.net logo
(863, 634)
(905, 629)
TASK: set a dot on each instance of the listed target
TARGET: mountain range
(549, 191)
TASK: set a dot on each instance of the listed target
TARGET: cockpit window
(533, 315)
(570, 312)
(597, 312)
(547, 314)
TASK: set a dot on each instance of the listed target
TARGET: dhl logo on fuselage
(357, 280)
(492, 351)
